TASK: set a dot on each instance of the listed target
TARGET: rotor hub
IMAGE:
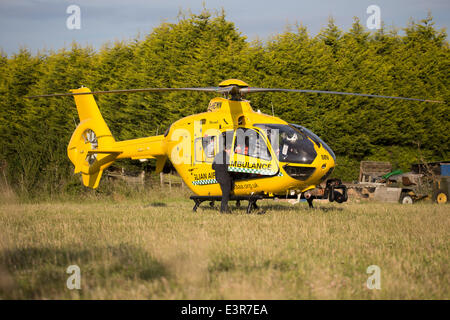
(233, 82)
(232, 88)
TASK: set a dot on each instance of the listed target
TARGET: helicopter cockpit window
(250, 143)
(289, 144)
(315, 138)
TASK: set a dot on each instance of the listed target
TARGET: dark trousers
(226, 186)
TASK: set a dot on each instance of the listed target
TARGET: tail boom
(92, 147)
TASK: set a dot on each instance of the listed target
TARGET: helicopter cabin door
(250, 156)
(205, 149)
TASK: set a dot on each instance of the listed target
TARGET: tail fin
(90, 148)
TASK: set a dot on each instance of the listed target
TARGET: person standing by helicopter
(223, 176)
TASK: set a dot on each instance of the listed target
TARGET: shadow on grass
(40, 272)
(326, 209)
(234, 210)
(303, 208)
(156, 204)
(267, 208)
(226, 263)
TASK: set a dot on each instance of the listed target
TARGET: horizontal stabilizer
(104, 151)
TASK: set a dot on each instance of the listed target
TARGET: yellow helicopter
(269, 157)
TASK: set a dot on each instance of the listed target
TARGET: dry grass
(158, 249)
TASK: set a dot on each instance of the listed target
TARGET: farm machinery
(424, 181)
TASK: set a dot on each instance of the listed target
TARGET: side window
(250, 143)
(209, 146)
(205, 149)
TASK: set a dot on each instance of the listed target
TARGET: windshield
(315, 138)
(289, 144)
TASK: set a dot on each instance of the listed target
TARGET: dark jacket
(220, 165)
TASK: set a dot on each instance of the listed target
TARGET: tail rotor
(91, 138)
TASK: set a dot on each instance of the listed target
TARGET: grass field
(155, 247)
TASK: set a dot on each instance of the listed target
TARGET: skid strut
(198, 200)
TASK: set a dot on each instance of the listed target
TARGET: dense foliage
(204, 49)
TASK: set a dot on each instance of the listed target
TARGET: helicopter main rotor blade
(233, 90)
(254, 90)
(206, 89)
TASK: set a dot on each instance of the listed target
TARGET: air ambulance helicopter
(269, 157)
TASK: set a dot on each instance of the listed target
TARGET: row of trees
(204, 49)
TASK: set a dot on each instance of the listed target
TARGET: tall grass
(152, 246)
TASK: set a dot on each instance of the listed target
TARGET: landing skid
(329, 192)
(198, 200)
